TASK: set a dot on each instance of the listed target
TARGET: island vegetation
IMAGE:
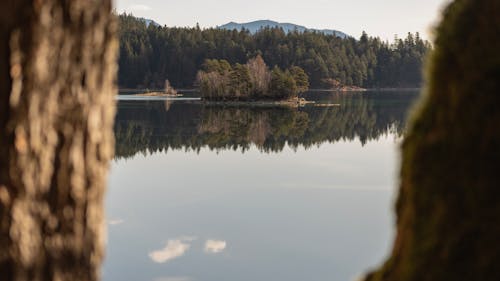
(149, 54)
(253, 81)
(169, 91)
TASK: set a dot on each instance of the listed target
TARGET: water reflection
(155, 126)
(287, 209)
(175, 248)
(215, 246)
(116, 222)
(173, 279)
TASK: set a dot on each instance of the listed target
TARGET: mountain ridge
(149, 22)
(255, 26)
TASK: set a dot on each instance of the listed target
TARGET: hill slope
(255, 26)
(149, 21)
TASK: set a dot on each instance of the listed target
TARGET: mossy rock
(448, 209)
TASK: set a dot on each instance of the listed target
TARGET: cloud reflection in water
(182, 278)
(175, 248)
(116, 222)
(215, 246)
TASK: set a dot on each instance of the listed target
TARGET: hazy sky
(383, 18)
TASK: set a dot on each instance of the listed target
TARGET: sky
(382, 18)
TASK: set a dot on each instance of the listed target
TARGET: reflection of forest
(153, 126)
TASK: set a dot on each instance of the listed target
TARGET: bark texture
(57, 77)
(448, 225)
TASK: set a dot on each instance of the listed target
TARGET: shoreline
(148, 90)
(367, 90)
(294, 103)
(298, 102)
(132, 91)
(157, 94)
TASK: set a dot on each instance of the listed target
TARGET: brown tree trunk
(57, 74)
(449, 202)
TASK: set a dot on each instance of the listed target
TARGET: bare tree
(260, 76)
(57, 77)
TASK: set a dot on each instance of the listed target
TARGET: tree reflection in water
(156, 126)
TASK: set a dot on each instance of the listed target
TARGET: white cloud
(215, 246)
(116, 222)
(138, 7)
(175, 248)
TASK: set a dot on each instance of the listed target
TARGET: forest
(150, 54)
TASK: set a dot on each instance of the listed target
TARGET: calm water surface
(215, 193)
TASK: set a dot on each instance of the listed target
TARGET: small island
(337, 86)
(218, 81)
(169, 91)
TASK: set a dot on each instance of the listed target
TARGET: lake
(242, 193)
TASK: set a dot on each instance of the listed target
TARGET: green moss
(449, 203)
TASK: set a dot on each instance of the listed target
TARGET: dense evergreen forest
(149, 127)
(151, 54)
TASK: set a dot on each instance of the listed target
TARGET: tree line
(151, 54)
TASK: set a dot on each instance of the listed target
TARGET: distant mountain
(148, 22)
(255, 26)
